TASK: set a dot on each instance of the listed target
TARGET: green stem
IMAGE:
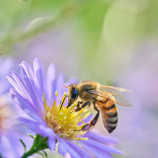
(29, 153)
(39, 144)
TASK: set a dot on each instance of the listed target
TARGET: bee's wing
(121, 100)
(116, 98)
(113, 89)
(100, 94)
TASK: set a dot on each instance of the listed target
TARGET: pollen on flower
(64, 121)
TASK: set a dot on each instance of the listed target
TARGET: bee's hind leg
(83, 106)
(87, 126)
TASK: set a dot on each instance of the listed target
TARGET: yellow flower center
(64, 121)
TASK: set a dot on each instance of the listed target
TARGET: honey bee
(103, 98)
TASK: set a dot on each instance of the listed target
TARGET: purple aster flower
(10, 131)
(41, 98)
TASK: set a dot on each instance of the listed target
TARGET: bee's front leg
(62, 102)
(84, 105)
(87, 126)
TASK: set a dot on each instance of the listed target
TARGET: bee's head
(72, 94)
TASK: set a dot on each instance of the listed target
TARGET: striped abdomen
(109, 114)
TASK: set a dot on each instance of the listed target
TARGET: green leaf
(46, 155)
(23, 144)
(31, 136)
(36, 139)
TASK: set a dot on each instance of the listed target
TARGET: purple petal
(51, 82)
(39, 128)
(79, 150)
(18, 84)
(39, 75)
(33, 88)
(52, 143)
(14, 143)
(8, 146)
(28, 70)
(61, 148)
(64, 148)
(46, 131)
(32, 125)
(96, 152)
(101, 147)
(101, 138)
(3, 150)
(25, 105)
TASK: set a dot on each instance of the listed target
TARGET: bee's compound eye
(74, 93)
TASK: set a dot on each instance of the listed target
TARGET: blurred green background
(110, 41)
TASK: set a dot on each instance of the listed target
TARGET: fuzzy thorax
(64, 121)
